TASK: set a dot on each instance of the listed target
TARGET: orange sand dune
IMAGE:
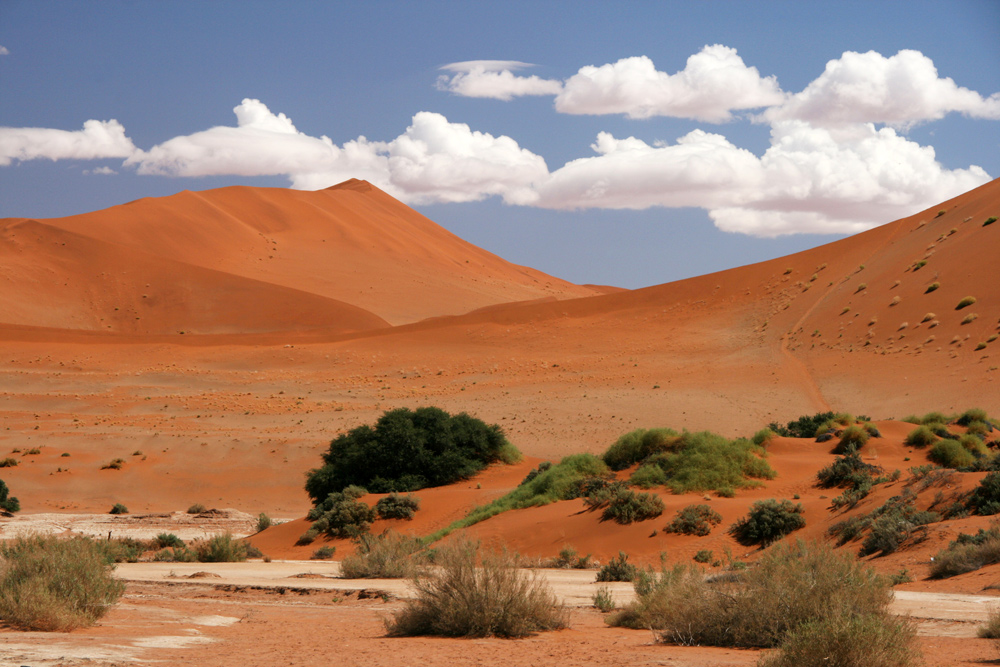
(351, 243)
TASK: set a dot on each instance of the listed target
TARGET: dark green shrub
(950, 454)
(263, 522)
(409, 450)
(625, 506)
(853, 439)
(54, 584)
(850, 471)
(703, 556)
(920, 437)
(118, 509)
(307, 537)
(694, 520)
(803, 427)
(989, 221)
(618, 569)
(222, 548)
(890, 530)
(340, 515)
(459, 599)
(323, 553)
(8, 503)
(767, 521)
(9, 462)
(386, 556)
(569, 558)
(535, 472)
(873, 640)
(395, 506)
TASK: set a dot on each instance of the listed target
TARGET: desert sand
(217, 341)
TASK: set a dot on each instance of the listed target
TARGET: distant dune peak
(355, 184)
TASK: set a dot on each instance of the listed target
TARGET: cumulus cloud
(4, 51)
(97, 139)
(434, 160)
(100, 171)
(810, 180)
(494, 79)
(901, 90)
(715, 82)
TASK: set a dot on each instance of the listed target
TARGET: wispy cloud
(494, 79)
(901, 90)
(100, 171)
(97, 139)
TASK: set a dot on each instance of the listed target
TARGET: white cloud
(715, 82)
(811, 180)
(869, 88)
(100, 171)
(97, 139)
(434, 160)
(4, 51)
(494, 79)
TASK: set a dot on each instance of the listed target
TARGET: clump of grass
(928, 317)
(965, 302)
(853, 439)
(603, 599)
(791, 586)
(460, 599)
(970, 318)
(54, 584)
(767, 521)
(323, 553)
(861, 288)
(703, 556)
(846, 310)
(118, 509)
(263, 522)
(222, 548)
(694, 520)
(873, 640)
(618, 569)
(569, 558)
(920, 437)
(640, 444)
(940, 213)
(9, 462)
(197, 508)
(115, 464)
(625, 506)
(164, 540)
(895, 300)
(989, 221)
(386, 556)
(950, 453)
(932, 287)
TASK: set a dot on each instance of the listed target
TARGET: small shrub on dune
(853, 439)
(263, 522)
(763, 436)
(767, 521)
(965, 302)
(474, 593)
(648, 476)
(951, 454)
(197, 508)
(626, 506)
(874, 640)
(848, 471)
(223, 548)
(395, 506)
(603, 599)
(118, 509)
(386, 556)
(618, 569)
(972, 415)
(7, 502)
(803, 427)
(307, 537)
(323, 553)
(920, 437)
(710, 462)
(639, 445)
(342, 515)
(967, 553)
(694, 520)
(54, 584)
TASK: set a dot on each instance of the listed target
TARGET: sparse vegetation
(967, 553)
(970, 318)
(386, 556)
(694, 520)
(223, 548)
(118, 509)
(263, 522)
(932, 287)
(985, 498)
(408, 450)
(803, 427)
(164, 540)
(8, 503)
(115, 464)
(991, 628)
(460, 599)
(767, 521)
(197, 508)
(849, 471)
(603, 599)
(618, 569)
(9, 462)
(54, 584)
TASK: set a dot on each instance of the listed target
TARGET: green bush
(889, 526)
(122, 549)
(972, 415)
(803, 427)
(694, 520)
(703, 556)
(791, 585)
(967, 553)
(263, 522)
(54, 584)
(763, 436)
(965, 302)
(639, 445)
(767, 521)
(872, 640)
(951, 454)
(222, 548)
(8, 503)
(323, 553)
(603, 599)
(648, 476)
(708, 462)
(395, 506)
(164, 540)
(459, 599)
(625, 506)
(342, 515)
(989, 221)
(850, 471)
(920, 437)
(618, 569)
(409, 450)
(118, 509)
(853, 439)
(386, 556)
(176, 555)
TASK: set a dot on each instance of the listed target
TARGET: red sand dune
(234, 413)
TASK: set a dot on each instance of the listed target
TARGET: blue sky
(616, 143)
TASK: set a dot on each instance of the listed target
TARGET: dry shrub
(222, 548)
(53, 584)
(873, 640)
(476, 593)
(791, 585)
(991, 628)
(386, 556)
